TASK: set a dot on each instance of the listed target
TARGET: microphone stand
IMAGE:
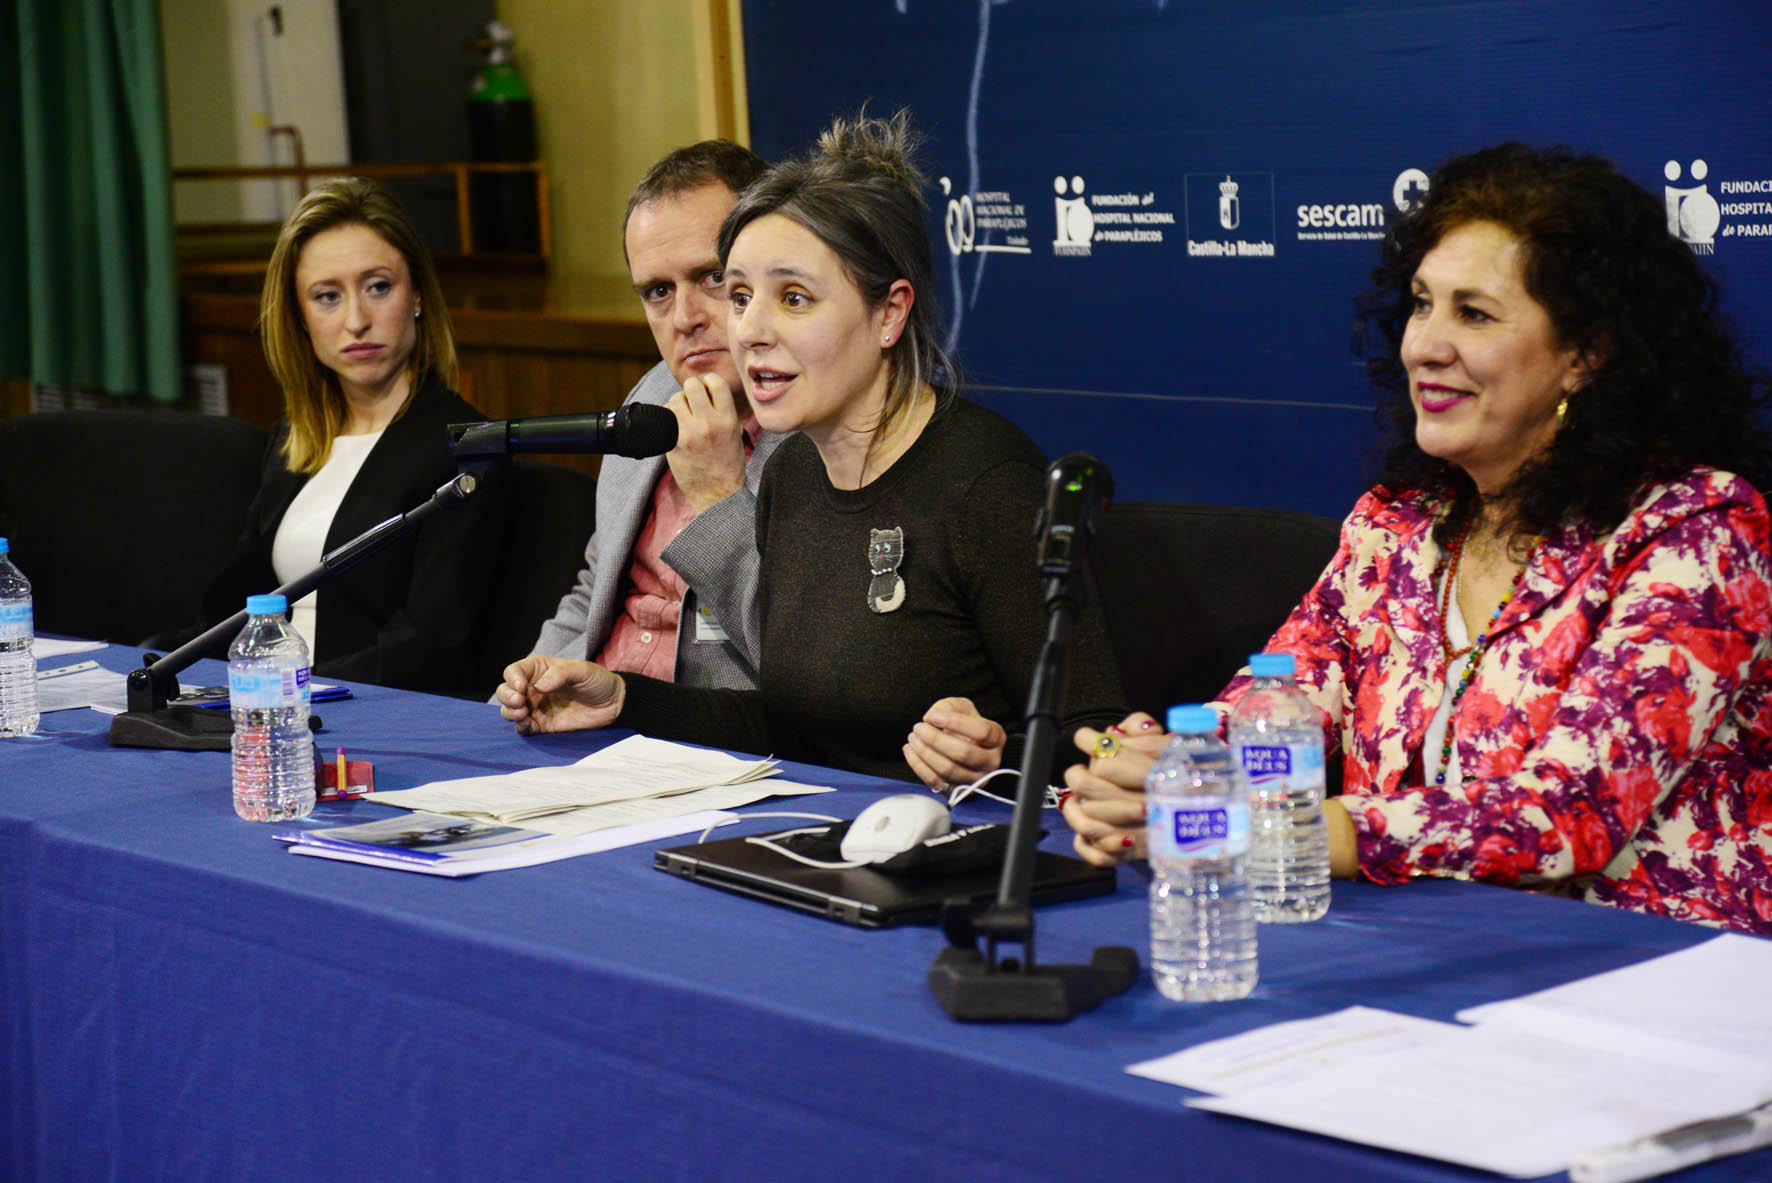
(983, 987)
(151, 723)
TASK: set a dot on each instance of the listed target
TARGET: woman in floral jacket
(1543, 650)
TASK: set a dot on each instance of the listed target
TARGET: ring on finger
(1106, 747)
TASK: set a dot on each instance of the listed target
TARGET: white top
(301, 536)
(1435, 735)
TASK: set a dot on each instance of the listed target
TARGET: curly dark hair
(1667, 391)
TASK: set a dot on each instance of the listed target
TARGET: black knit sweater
(842, 685)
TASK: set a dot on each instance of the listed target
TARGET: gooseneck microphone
(1078, 489)
(977, 984)
(637, 430)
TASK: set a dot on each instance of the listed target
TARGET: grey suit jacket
(716, 554)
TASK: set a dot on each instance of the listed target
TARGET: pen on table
(343, 784)
(1699, 1142)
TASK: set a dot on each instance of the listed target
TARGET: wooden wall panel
(15, 396)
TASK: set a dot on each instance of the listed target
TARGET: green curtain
(87, 274)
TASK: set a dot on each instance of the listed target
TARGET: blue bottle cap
(1193, 719)
(1272, 665)
(266, 605)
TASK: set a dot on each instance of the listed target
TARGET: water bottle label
(1271, 766)
(1210, 828)
(15, 619)
(268, 688)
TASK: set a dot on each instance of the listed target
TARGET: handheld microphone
(1078, 488)
(637, 430)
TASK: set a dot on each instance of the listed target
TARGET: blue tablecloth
(181, 999)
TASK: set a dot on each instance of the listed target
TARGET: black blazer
(409, 616)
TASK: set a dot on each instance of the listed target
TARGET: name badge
(707, 628)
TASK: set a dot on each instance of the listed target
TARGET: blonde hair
(312, 398)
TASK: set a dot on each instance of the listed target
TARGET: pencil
(343, 783)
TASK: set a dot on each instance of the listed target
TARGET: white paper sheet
(627, 813)
(1499, 1098)
(634, 768)
(1284, 1052)
(534, 853)
(1718, 995)
(1538, 1081)
(82, 684)
(43, 648)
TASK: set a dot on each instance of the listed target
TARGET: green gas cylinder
(501, 127)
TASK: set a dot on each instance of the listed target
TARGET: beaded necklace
(1476, 647)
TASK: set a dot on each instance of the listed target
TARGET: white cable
(959, 793)
(768, 842)
(817, 817)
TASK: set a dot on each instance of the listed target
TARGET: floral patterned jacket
(1616, 741)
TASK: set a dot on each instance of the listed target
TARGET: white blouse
(301, 536)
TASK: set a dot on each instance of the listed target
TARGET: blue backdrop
(1152, 217)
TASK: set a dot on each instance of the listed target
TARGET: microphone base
(177, 728)
(972, 990)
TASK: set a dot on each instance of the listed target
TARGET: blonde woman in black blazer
(356, 332)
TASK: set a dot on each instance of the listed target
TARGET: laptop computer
(862, 896)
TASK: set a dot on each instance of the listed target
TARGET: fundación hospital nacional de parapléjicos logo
(1697, 217)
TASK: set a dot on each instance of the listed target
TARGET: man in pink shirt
(669, 585)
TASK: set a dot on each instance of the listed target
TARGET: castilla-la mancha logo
(1230, 212)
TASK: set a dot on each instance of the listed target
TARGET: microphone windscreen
(1082, 473)
(645, 430)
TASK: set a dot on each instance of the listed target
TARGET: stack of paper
(81, 684)
(1538, 1082)
(635, 780)
(435, 844)
(44, 648)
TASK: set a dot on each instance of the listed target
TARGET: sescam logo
(1697, 218)
(974, 216)
(1230, 215)
(1359, 221)
(1409, 189)
(1085, 222)
(1369, 220)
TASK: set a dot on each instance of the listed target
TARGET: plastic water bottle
(18, 668)
(1197, 808)
(1277, 736)
(268, 693)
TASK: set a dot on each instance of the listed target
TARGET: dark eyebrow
(1417, 283)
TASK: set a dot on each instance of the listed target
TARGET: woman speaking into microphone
(901, 607)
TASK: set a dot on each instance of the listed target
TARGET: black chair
(121, 518)
(553, 511)
(1190, 591)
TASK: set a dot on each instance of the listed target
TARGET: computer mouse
(893, 825)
